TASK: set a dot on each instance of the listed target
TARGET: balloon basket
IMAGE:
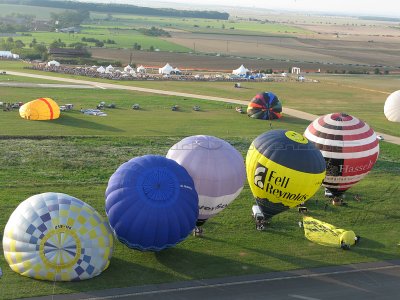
(198, 231)
(261, 225)
(303, 210)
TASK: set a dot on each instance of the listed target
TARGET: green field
(202, 25)
(122, 38)
(39, 12)
(76, 154)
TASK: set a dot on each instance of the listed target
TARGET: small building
(295, 70)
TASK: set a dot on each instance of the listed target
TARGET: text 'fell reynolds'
(275, 184)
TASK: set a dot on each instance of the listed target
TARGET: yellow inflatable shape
(326, 234)
(40, 109)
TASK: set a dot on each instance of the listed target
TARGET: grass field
(41, 13)
(122, 38)
(76, 154)
(203, 25)
(347, 94)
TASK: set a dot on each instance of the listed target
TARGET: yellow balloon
(283, 170)
(40, 109)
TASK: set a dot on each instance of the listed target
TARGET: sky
(353, 7)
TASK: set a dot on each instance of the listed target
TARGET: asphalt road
(102, 85)
(366, 281)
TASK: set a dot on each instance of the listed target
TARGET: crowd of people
(117, 74)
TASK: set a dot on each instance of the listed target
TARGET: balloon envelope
(40, 109)
(349, 146)
(151, 203)
(217, 169)
(284, 169)
(265, 106)
(392, 107)
(54, 236)
(326, 234)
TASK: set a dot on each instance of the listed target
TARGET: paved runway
(365, 281)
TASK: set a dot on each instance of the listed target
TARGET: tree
(136, 46)
(19, 44)
(99, 44)
(33, 43)
(78, 45)
(57, 44)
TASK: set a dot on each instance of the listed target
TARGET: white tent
(141, 69)
(167, 69)
(53, 63)
(6, 54)
(128, 69)
(101, 69)
(240, 71)
(109, 69)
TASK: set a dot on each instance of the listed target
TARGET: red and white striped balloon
(349, 146)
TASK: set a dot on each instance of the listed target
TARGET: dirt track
(287, 111)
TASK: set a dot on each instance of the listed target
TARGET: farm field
(76, 154)
(122, 38)
(42, 13)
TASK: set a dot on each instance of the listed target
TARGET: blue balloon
(151, 203)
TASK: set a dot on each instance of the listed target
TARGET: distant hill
(385, 19)
(122, 8)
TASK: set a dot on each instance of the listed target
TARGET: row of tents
(166, 70)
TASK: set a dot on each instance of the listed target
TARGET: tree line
(123, 8)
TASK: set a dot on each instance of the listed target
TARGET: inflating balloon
(284, 170)
(217, 169)
(349, 146)
(40, 109)
(151, 203)
(54, 236)
(392, 107)
(265, 106)
(328, 235)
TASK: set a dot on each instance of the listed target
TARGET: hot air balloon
(217, 169)
(392, 107)
(40, 109)
(328, 235)
(284, 170)
(53, 236)
(151, 203)
(265, 106)
(349, 146)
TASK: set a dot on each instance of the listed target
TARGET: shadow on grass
(196, 265)
(68, 120)
(120, 273)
